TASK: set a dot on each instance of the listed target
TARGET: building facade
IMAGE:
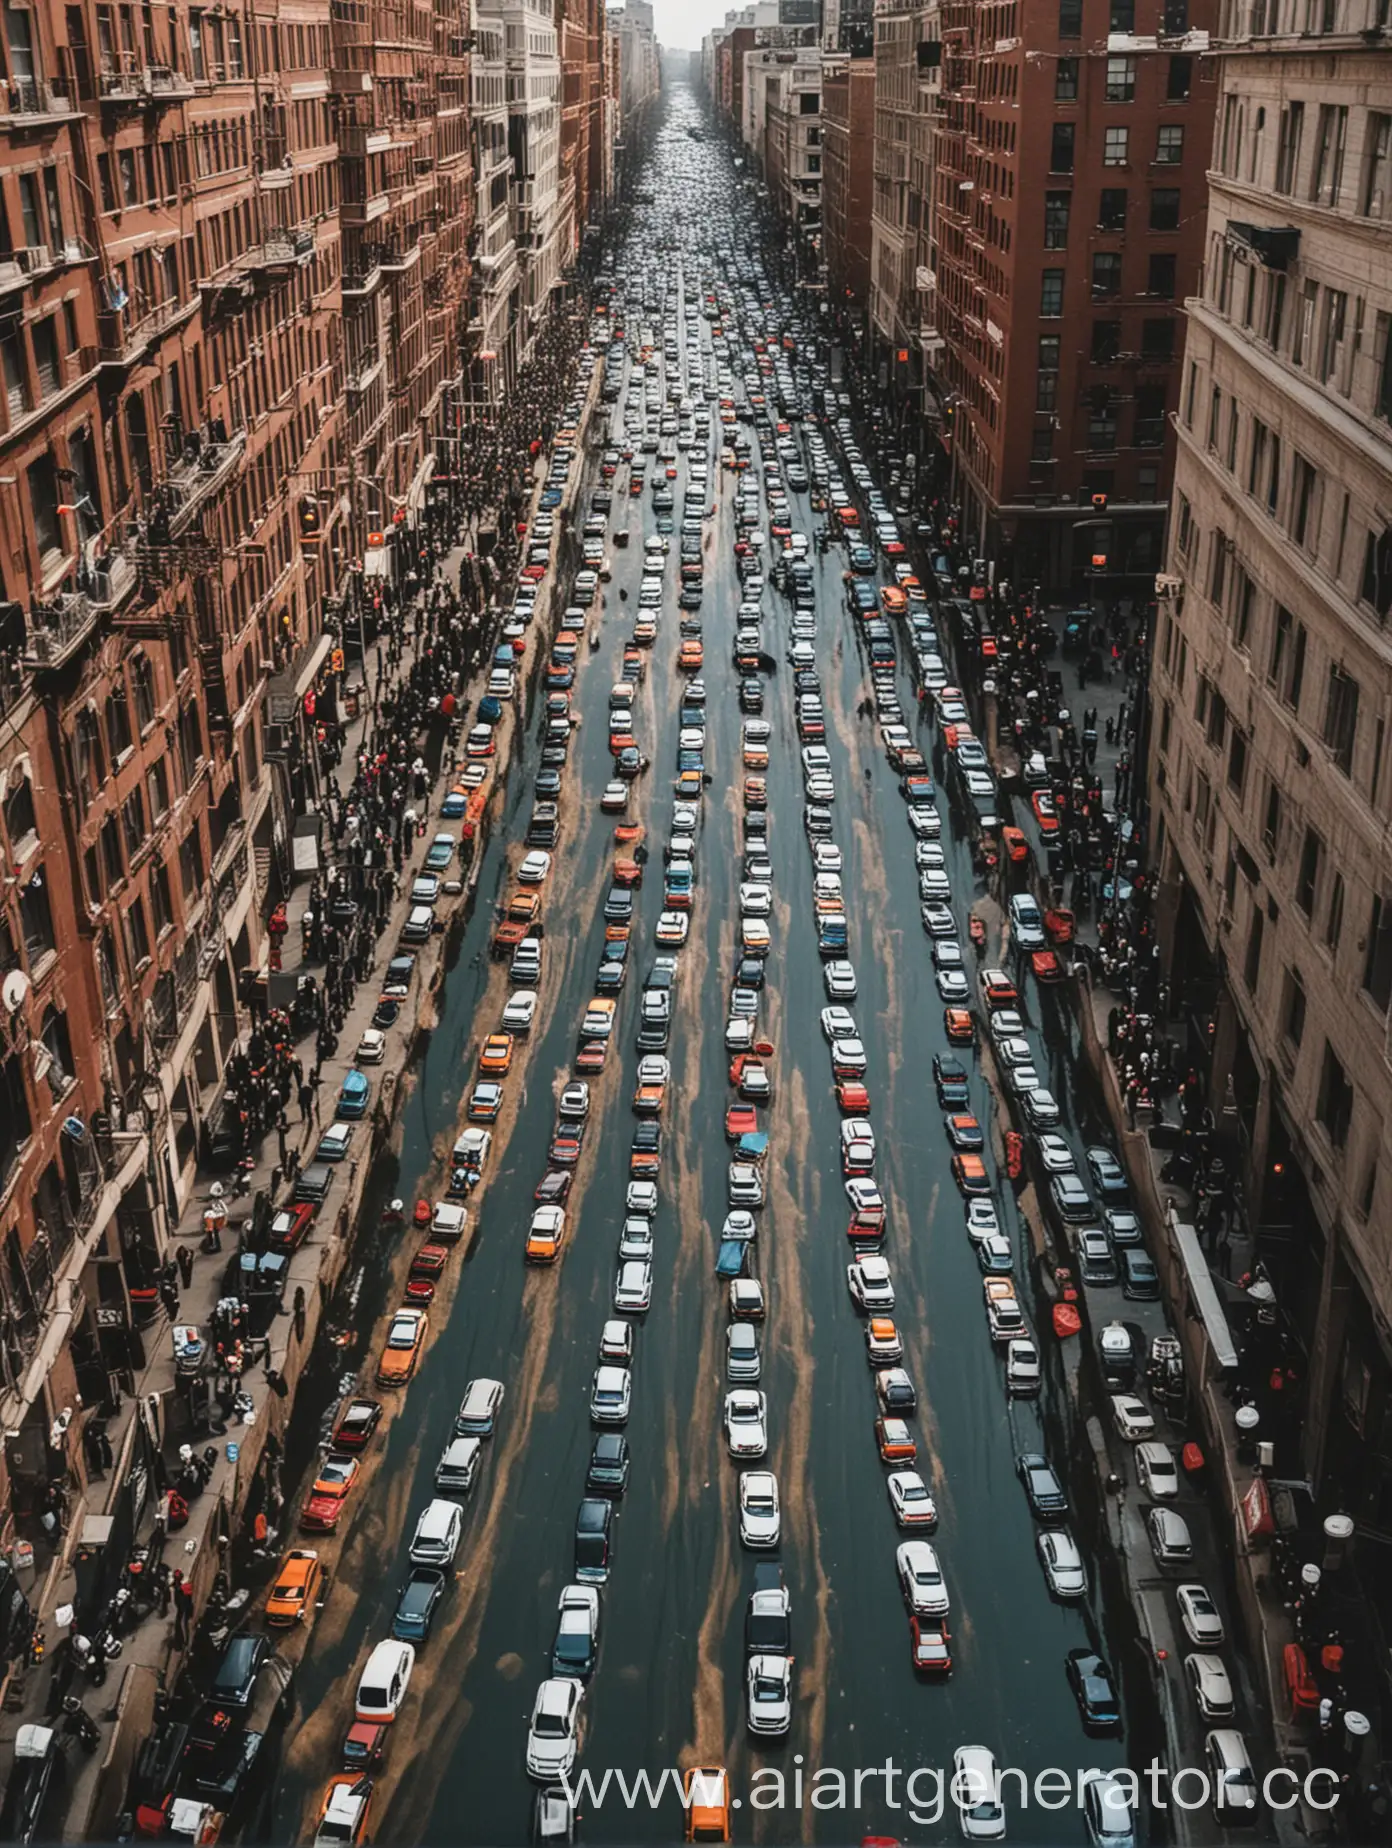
(532, 51)
(1067, 223)
(848, 132)
(1272, 691)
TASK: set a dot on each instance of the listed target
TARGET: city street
(668, 1688)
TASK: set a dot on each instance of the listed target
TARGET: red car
(853, 1098)
(1044, 812)
(356, 1423)
(741, 1120)
(930, 1646)
(427, 1267)
(867, 1225)
(591, 1056)
(1046, 966)
(565, 1149)
(326, 1499)
(290, 1227)
(1015, 844)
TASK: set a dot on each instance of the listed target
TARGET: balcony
(143, 86)
(30, 103)
(281, 249)
(191, 483)
(358, 140)
(57, 630)
(122, 337)
(359, 212)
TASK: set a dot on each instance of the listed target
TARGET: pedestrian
(183, 1610)
(306, 1099)
(300, 1308)
(183, 1257)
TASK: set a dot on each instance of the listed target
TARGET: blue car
(454, 805)
(415, 1610)
(440, 854)
(352, 1099)
(550, 499)
(490, 709)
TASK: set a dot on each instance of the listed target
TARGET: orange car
(691, 656)
(895, 1441)
(853, 1098)
(616, 933)
(524, 907)
(645, 631)
(621, 741)
(755, 792)
(297, 1588)
(495, 1055)
(546, 1235)
(650, 1095)
(1046, 966)
(892, 600)
(405, 1343)
(329, 1492)
(969, 1172)
(627, 872)
(508, 935)
(998, 989)
(344, 1809)
(1044, 812)
(707, 1798)
(566, 645)
(958, 1025)
(1016, 846)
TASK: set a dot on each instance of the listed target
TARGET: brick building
(848, 131)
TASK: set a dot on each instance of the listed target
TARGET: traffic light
(902, 356)
(1099, 503)
(1099, 561)
(311, 527)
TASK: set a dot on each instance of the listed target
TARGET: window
(1304, 503)
(1251, 962)
(133, 822)
(1293, 1008)
(1237, 763)
(46, 356)
(1334, 923)
(1377, 166)
(130, 186)
(137, 935)
(1377, 968)
(1121, 16)
(1157, 341)
(1066, 80)
(1169, 145)
(1333, 319)
(1334, 1105)
(1256, 463)
(1376, 588)
(35, 917)
(810, 102)
(1114, 146)
(197, 63)
(111, 851)
(1160, 279)
(1049, 347)
(1150, 434)
(1273, 480)
(1106, 341)
(1178, 80)
(1070, 19)
(1244, 602)
(161, 900)
(1271, 822)
(1046, 392)
(1218, 566)
(143, 679)
(104, 180)
(1102, 420)
(157, 789)
(16, 378)
(1164, 208)
(1288, 146)
(1051, 294)
(43, 500)
(1106, 274)
(1061, 148)
(1341, 717)
(21, 823)
(1330, 138)
(191, 866)
(1111, 210)
(1121, 80)
(1294, 680)
(1215, 415)
(1056, 206)
(1042, 446)
(1275, 309)
(1307, 879)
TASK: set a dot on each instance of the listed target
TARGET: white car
(633, 1287)
(819, 788)
(921, 1579)
(755, 900)
(908, 1496)
(864, 1195)
(534, 868)
(769, 1694)
(839, 978)
(552, 1736)
(1055, 1154)
(1026, 922)
(976, 1791)
(1132, 1418)
(577, 1630)
(1156, 1472)
(614, 798)
(870, 1284)
(760, 1521)
(838, 1023)
(1211, 1686)
(672, 927)
(1021, 1368)
(745, 1423)
(1041, 1108)
(849, 1055)
(616, 1341)
(372, 1047)
(641, 1198)
(520, 1011)
(1014, 1051)
(953, 986)
(983, 1221)
(383, 1682)
(934, 885)
(611, 1395)
(826, 857)
(1199, 1616)
(1062, 1562)
(857, 1143)
(1023, 1079)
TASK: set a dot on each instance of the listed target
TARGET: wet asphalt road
(669, 1684)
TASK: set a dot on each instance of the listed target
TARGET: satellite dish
(15, 988)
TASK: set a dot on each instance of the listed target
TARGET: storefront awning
(416, 494)
(375, 562)
(1205, 1297)
(289, 687)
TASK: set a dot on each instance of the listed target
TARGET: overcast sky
(682, 24)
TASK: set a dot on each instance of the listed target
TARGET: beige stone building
(1272, 688)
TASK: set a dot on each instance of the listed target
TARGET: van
(594, 1526)
(458, 1465)
(831, 935)
(478, 1413)
(437, 1535)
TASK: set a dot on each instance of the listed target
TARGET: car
(895, 1392)
(478, 1409)
(1210, 1685)
(951, 1079)
(640, 1198)
(911, 1501)
(545, 1235)
(672, 927)
(1108, 1176)
(1041, 1108)
(575, 1100)
(1199, 1616)
(419, 925)
(1123, 1227)
(616, 1340)
(1107, 1811)
(334, 1144)
(417, 1602)
(614, 797)
(930, 1646)
(1096, 1261)
(1132, 1418)
(839, 979)
(611, 1394)
(746, 1412)
(746, 1299)
(976, 1792)
(372, 1047)
(552, 1737)
(1170, 1539)
(1093, 1690)
(706, 1799)
(520, 1011)
(964, 1132)
(769, 1694)
(1140, 1280)
(838, 1023)
(553, 1189)
(404, 1345)
(1062, 1560)
(921, 1579)
(857, 1146)
(959, 1026)
(1055, 1155)
(633, 1287)
(1026, 922)
(1072, 1201)
(356, 1424)
(425, 890)
(971, 1175)
(1232, 1781)
(298, 1587)
(1022, 1369)
(1043, 1489)
(495, 1055)
(744, 1184)
(760, 1520)
(883, 1346)
(383, 1682)
(609, 1462)
(485, 1101)
(869, 1282)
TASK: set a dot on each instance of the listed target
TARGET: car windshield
(550, 1726)
(768, 1687)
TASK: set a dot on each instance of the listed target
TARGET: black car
(313, 1183)
(1093, 1689)
(553, 1187)
(751, 695)
(1046, 1497)
(609, 977)
(608, 1471)
(768, 1626)
(242, 1661)
(397, 980)
(950, 1076)
(1139, 1278)
(659, 976)
(415, 1608)
(749, 972)
(618, 904)
(387, 1012)
(647, 1138)
(594, 1526)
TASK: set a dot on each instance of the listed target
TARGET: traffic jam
(724, 570)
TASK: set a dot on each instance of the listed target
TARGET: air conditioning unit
(35, 258)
